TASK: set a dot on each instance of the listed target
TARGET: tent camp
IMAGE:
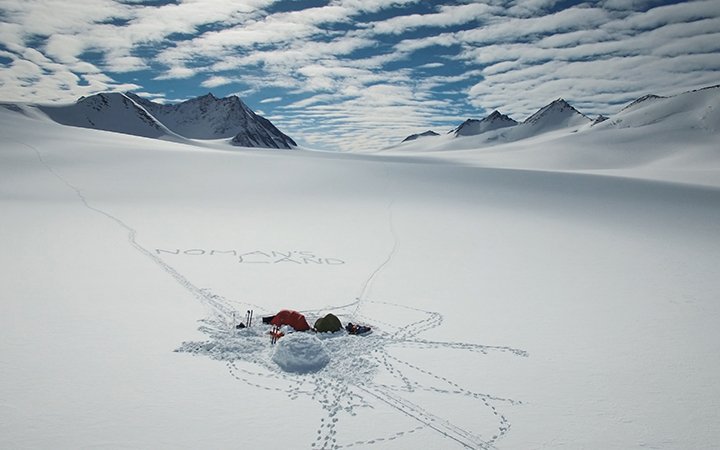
(328, 324)
(292, 318)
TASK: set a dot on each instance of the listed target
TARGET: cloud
(294, 55)
(600, 83)
(177, 73)
(369, 118)
(26, 70)
(663, 15)
(117, 30)
(339, 77)
(275, 29)
(371, 6)
(447, 16)
(271, 100)
(122, 63)
(665, 49)
(34, 77)
(434, 65)
(529, 8)
(49, 17)
(514, 29)
(216, 81)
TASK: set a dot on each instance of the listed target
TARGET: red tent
(292, 318)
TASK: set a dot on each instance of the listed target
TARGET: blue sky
(342, 74)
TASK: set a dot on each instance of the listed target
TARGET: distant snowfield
(518, 300)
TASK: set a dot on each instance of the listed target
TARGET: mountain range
(500, 127)
(693, 110)
(229, 120)
(427, 133)
(677, 130)
(494, 121)
(202, 118)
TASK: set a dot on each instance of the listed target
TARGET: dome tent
(330, 323)
(292, 318)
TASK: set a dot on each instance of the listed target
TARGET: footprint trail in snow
(347, 385)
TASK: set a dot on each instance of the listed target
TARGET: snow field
(510, 308)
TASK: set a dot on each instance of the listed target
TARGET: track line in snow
(445, 428)
(362, 296)
(221, 310)
(347, 385)
(389, 438)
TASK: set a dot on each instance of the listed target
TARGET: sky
(361, 74)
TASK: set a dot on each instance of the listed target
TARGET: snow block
(301, 353)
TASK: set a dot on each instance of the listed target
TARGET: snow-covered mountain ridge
(204, 118)
(110, 112)
(558, 114)
(427, 133)
(209, 117)
(692, 112)
(494, 121)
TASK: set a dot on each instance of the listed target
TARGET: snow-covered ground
(518, 299)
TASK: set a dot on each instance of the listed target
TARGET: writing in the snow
(295, 257)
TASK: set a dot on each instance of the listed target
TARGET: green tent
(329, 323)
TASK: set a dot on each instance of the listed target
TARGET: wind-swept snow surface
(510, 308)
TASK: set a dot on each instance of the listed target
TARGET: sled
(359, 330)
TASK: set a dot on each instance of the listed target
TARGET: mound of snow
(301, 353)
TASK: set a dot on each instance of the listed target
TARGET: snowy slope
(208, 117)
(642, 101)
(511, 309)
(691, 110)
(110, 112)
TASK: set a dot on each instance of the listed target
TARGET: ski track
(346, 385)
(393, 250)
(220, 310)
